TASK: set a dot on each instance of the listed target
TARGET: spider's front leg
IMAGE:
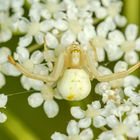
(91, 63)
(53, 77)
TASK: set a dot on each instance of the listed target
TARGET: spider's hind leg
(118, 75)
(58, 68)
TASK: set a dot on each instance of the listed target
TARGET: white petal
(113, 52)
(120, 20)
(67, 38)
(4, 5)
(3, 117)
(133, 132)
(17, 4)
(132, 81)
(82, 38)
(51, 108)
(72, 12)
(89, 31)
(112, 121)
(34, 14)
(116, 37)
(72, 128)
(129, 91)
(120, 66)
(9, 69)
(3, 100)
(41, 69)
(52, 41)
(104, 71)
(131, 32)
(5, 35)
(22, 53)
(106, 3)
(131, 120)
(99, 121)
(58, 136)
(86, 134)
(25, 41)
(110, 24)
(36, 84)
(61, 25)
(100, 54)
(101, 12)
(96, 105)
(46, 25)
(37, 57)
(77, 112)
(2, 80)
(35, 100)
(107, 135)
(131, 57)
(39, 38)
(102, 29)
(137, 47)
(84, 123)
(25, 83)
(4, 53)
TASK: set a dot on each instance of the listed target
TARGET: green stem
(34, 47)
(17, 129)
(131, 10)
(97, 21)
(104, 129)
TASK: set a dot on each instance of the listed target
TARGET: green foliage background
(26, 123)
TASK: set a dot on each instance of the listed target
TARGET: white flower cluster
(63, 22)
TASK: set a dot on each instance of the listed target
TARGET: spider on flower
(74, 69)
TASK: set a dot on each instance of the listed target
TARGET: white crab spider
(73, 71)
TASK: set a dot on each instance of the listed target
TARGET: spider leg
(118, 75)
(45, 45)
(91, 64)
(58, 68)
(94, 50)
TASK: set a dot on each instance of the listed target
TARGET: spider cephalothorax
(73, 71)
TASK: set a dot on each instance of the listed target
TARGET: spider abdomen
(74, 85)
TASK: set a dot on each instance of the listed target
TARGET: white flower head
(74, 133)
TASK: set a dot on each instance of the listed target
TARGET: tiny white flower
(74, 133)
